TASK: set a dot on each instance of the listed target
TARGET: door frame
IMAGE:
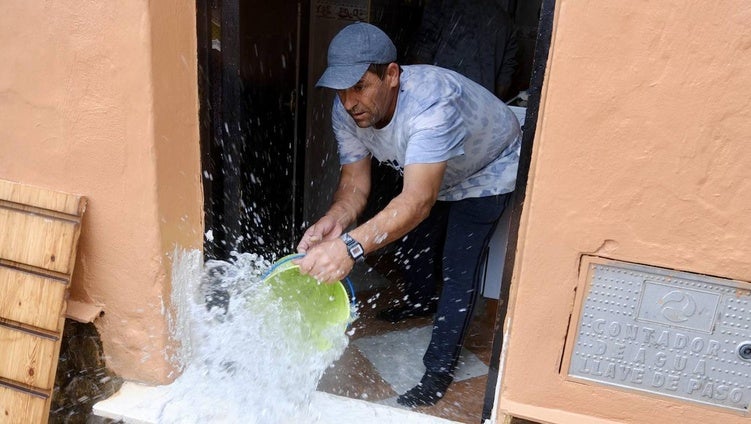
(542, 49)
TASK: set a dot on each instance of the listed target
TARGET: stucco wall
(642, 154)
(100, 99)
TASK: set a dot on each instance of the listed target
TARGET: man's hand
(327, 228)
(327, 261)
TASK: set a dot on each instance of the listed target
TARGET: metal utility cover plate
(665, 332)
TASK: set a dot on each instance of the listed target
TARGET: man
(458, 148)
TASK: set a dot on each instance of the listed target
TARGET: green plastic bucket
(323, 307)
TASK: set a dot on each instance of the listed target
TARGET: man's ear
(392, 74)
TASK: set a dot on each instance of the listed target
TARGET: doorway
(249, 56)
(270, 166)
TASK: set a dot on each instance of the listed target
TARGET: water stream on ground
(245, 360)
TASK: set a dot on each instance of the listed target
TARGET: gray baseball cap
(352, 51)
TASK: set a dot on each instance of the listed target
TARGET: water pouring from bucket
(259, 338)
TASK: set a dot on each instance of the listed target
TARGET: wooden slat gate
(39, 231)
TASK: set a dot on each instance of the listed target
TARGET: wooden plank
(39, 230)
(21, 407)
(42, 198)
(37, 240)
(32, 299)
(27, 358)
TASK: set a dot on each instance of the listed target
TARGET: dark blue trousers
(446, 251)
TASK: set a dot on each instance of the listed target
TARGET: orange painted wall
(641, 154)
(100, 99)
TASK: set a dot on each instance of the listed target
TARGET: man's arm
(349, 201)
(422, 182)
(329, 260)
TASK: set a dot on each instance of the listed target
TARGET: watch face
(354, 248)
(356, 251)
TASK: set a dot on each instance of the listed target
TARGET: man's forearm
(419, 192)
(399, 217)
(345, 210)
(351, 195)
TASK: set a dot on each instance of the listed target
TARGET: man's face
(372, 101)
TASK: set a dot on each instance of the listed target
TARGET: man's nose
(347, 99)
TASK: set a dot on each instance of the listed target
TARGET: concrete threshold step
(139, 404)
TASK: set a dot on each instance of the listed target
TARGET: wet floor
(383, 359)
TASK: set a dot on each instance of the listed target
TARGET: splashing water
(247, 362)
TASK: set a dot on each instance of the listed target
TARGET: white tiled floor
(385, 359)
(397, 356)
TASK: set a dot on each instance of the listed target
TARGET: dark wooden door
(249, 70)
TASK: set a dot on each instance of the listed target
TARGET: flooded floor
(384, 360)
(377, 361)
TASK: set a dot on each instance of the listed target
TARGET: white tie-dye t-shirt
(441, 116)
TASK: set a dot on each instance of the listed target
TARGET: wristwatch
(354, 248)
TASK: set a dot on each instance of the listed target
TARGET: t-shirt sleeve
(437, 134)
(350, 147)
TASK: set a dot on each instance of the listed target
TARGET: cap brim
(342, 77)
